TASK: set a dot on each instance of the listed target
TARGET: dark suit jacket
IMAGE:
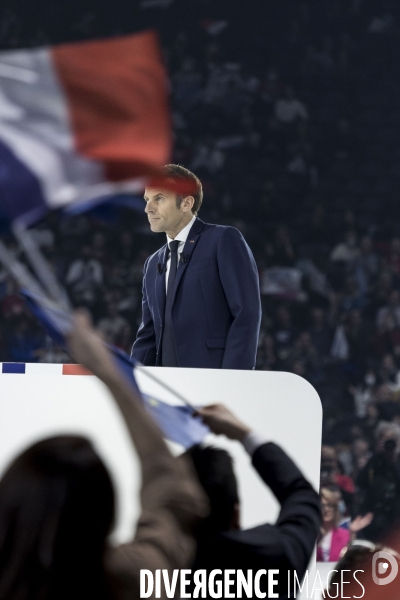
(216, 309)
(286, 545)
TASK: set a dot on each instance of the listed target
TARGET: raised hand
(222, 421)
(360, 522)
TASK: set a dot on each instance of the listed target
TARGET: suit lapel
(160, 282)
(192, 239)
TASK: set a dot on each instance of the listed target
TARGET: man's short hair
(179, 173)
(214, 468)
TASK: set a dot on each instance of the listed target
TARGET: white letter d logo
(382, 568)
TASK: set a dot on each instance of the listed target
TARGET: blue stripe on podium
(13, 368)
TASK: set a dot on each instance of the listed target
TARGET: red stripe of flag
(116, 91)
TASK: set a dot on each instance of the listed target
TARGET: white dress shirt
(181, 238)
(252, 441)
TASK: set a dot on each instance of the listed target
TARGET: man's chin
(156, 227)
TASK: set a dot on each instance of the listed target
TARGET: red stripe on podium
(75, 370)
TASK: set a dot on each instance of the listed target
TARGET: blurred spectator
(380, 293)
(388, 373)
(84, 279)
(360, 454)
(52, 353)
(394, 256)
(24, 341)
(288, 109)
(387, 336)
(392, 309)
(379, 482)
(332, 475)
(207, 157)
(188, 84)
(305, 353)
(366, 265)
(334, 539)
(98, 247)
(125, 251)
(358, 334)
(346, 251)
(12, 305)
(283, 333)
(113, 325)
(352, 298)
(320, 332)
(370, 422)
(363, 392)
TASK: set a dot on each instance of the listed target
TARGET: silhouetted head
(56, 509)
(214, 468)
(356, 567)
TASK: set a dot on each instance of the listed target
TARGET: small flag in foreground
(80, 121)
(176, 422)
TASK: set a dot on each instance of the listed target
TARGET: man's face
(162, 211)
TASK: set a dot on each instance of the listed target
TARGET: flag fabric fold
(177, 422)
(80, 121)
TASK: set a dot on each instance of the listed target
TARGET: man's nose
(148, 208)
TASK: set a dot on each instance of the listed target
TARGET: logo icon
(382, 567)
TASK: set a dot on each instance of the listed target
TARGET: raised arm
(172, 501)
(296, 529)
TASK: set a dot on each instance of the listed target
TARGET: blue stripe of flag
(13, 368)
(20, 191)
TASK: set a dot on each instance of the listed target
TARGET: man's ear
(235, 520)
(187, 203)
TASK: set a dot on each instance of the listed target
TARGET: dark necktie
(168, 350)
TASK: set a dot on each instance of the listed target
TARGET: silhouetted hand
(222, 421)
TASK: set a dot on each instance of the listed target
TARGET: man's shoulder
(227, 231)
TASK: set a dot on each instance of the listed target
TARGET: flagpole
(165, 386)
(40, 265)
(19, 271)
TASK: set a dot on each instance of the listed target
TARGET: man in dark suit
(201, 299)
(288, 544)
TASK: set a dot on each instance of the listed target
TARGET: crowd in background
(294, 134)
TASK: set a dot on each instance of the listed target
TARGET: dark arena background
(289, 112)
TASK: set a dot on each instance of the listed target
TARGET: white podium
(41, 400)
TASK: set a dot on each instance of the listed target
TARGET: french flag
(80, 121)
